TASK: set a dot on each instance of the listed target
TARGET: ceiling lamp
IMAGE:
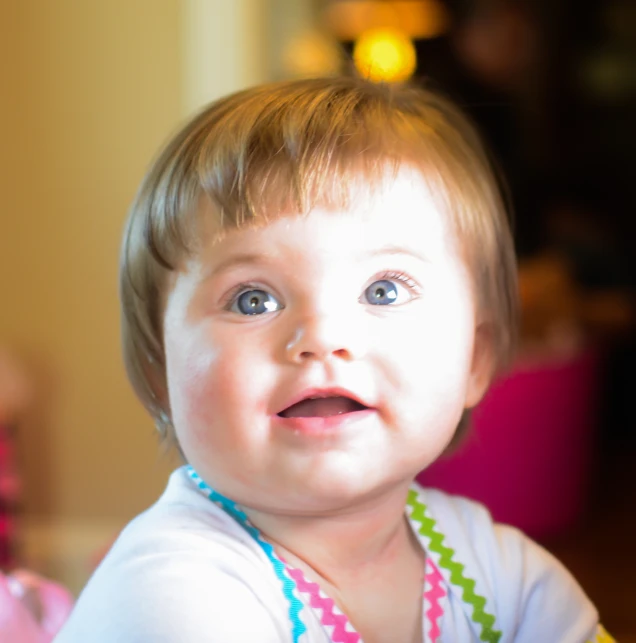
(418, 19)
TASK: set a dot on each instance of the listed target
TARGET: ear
(482, 365)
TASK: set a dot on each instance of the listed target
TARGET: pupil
(380, 293)
(254, 302)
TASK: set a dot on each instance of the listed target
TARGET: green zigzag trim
(427, 529)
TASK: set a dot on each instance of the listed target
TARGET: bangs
(283, 150)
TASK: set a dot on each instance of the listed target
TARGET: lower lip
(323, 425)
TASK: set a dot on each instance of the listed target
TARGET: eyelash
(402, 277)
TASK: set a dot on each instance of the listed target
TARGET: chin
(338, 493)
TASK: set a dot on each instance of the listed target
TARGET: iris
(256, 302)
(381, 293)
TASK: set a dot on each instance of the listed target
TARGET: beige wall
(89, 91)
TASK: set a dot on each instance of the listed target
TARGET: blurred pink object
(10, 486)
(528, 454)
(32, 609)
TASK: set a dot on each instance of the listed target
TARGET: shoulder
(529, 593)
(182, 570)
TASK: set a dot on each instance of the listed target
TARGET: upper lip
(317, 393)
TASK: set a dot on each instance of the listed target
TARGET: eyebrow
(241, 259)
(395, 250)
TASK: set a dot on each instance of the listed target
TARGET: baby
(318, 283)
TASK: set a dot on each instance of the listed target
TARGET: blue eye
(255, 302)
(382, 292)
(385, 292)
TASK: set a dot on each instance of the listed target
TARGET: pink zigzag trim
(331, 615)
(434, 593)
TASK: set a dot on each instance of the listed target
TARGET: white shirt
(185, 570)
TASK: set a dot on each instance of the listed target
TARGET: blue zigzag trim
(230, 507)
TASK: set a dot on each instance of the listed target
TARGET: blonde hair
(316, 139)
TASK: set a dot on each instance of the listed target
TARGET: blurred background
(92, 89)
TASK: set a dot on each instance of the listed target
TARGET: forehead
(398, 205)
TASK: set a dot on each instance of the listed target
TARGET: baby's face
(318, 360)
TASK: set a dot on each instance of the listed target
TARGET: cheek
(193, 364)
(436, 345)
(212, 381)
(431, 356)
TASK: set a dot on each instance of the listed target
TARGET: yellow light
(385, 55)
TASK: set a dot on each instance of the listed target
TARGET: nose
(321, 337)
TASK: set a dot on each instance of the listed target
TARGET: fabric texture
(188, 570)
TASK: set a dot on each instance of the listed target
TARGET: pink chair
(528, 454)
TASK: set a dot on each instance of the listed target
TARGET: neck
(342, 546)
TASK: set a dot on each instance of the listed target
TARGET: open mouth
(322, 407)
